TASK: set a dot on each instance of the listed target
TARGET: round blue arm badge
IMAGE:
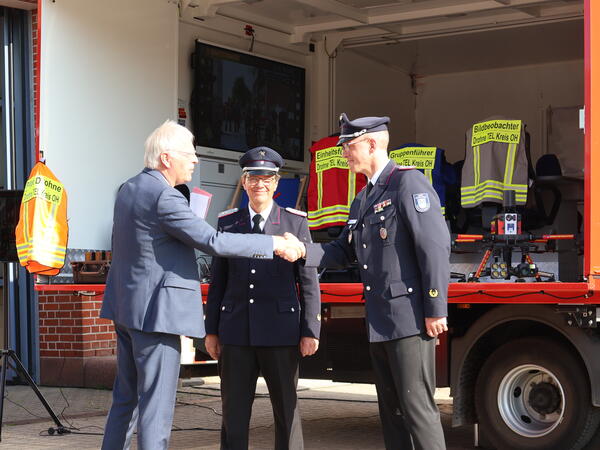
(421, 202)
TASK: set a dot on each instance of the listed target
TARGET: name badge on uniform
(421, 202)
(379, 206)
(352, 221)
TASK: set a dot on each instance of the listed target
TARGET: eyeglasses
(346, 146)
(188, 155)
(253, 180)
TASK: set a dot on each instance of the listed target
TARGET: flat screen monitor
(241, 101)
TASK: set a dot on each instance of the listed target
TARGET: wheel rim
(531, 400)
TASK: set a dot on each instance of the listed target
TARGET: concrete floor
(334, 416)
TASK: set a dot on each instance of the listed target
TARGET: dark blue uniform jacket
(259, 302)
(402, 244)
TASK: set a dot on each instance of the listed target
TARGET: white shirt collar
(378, 173)
(265, 214)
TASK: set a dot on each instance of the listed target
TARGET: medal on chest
(383, 233)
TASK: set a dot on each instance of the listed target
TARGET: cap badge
(262, 153)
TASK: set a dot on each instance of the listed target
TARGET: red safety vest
(332, 186)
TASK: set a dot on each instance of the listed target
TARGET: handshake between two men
(289, 247)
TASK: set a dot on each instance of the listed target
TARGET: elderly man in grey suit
(153, 289)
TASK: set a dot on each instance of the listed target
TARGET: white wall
(446, 105)
(109, 77)
(365, 87)
(449, 104)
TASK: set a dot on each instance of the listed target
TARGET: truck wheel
(532, 393)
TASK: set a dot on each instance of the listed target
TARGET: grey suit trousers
(405, 380)
(144, 391)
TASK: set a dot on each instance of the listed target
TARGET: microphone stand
(6, 353)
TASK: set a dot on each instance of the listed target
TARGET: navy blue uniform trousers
(239, 368)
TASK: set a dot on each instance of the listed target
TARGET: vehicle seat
(543, 188)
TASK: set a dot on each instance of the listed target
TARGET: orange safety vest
(42, 230)
(332, 186)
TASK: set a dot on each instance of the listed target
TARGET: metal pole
(4, 355)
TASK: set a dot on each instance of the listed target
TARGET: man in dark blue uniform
(261, 316)
(398, 235)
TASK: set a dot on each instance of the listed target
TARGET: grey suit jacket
(153, 283)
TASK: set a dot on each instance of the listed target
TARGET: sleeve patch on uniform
(295, 211)
(227, 213)
(433, 293)
(421, 202)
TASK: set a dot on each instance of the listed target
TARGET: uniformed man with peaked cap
(256, 318)
(398, 235)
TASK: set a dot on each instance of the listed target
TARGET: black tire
(534, 394)
(594, 443)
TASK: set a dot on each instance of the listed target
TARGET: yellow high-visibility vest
(42, 230)
(495, 162)
(428, 160)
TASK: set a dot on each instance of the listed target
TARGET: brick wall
(74, 342)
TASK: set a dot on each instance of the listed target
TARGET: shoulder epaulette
(295, 211)
(405, 167)
(227, 212)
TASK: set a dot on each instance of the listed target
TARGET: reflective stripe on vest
(42, 230)
(332, 186)
(500, 131)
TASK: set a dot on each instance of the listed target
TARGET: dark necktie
(369, 187)
(257, 219)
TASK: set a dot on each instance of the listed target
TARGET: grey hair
(381, 138)
(170, 136)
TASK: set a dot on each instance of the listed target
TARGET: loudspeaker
(10, 204)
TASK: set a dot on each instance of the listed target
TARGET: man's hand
(308, 346)
(435, 326)
(288, 247)
(299, 243)
(211, 342)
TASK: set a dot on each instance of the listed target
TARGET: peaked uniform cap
(351, 129)
(261, 161)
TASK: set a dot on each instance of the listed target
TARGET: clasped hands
(289, 247)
